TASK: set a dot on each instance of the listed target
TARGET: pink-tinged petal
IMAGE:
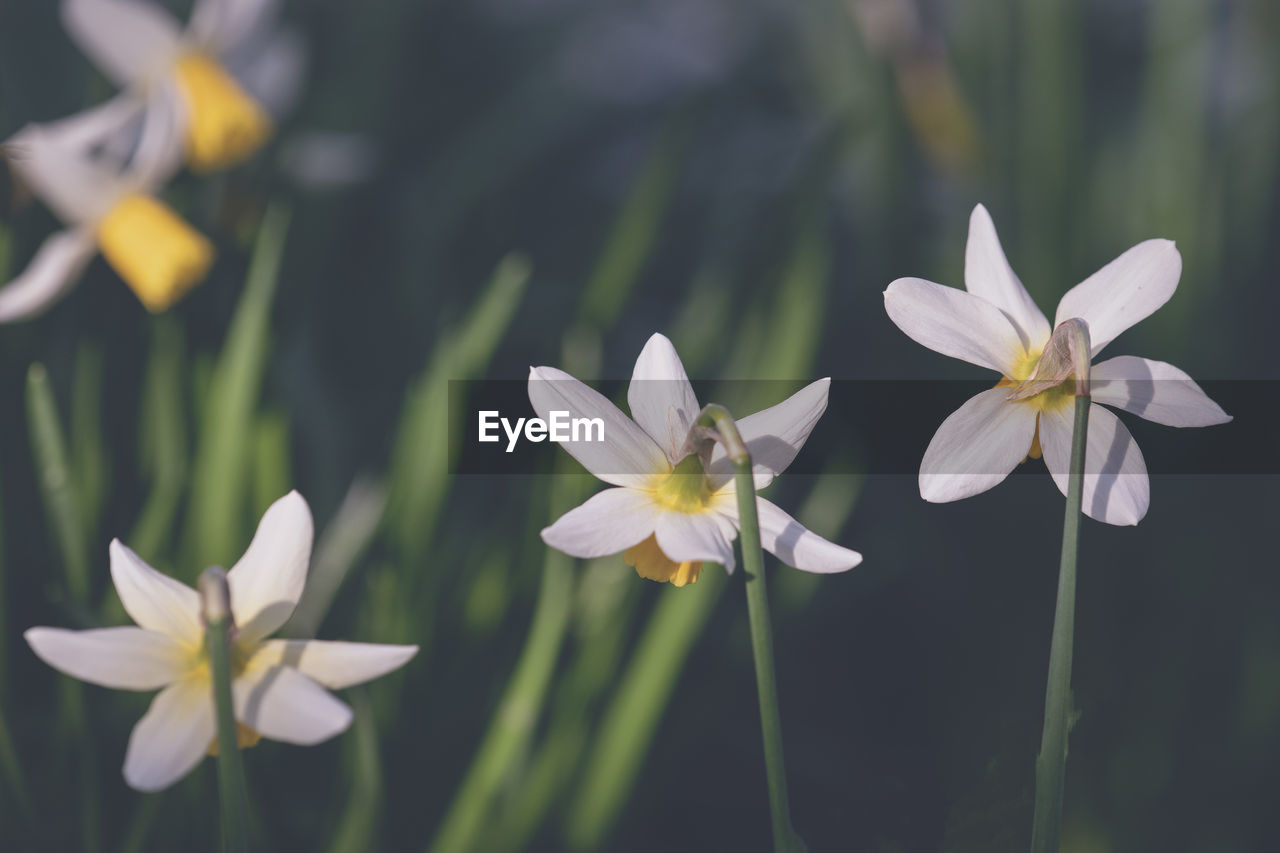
(1124, 291)
(282, 704)
(987, 274)
(53, 271)
(661, 399)
(1154, 390)
(172, 737)
(706, 537)
(334, 664)
(154, 600)
(608, 523)
(129, 40)
(268, 580)
(626, 457)
(1116, 487)
(977, 446)
(124, 658)
(797, 546)
(774, 436)
(955, 323)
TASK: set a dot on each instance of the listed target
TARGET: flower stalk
(716, 422)
(215, 604)
(1051, 763)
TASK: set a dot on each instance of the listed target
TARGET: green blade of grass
(220, 481)
(163, 448)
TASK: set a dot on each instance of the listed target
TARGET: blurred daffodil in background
(278, 686)
(227, 72)
(674, 508)
(99, 172)
(994, 323)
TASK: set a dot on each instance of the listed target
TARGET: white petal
(268, 580)
(220, 25)
(282, 704)
(607, 523)
(987, 274)
(53, 271)
(57, 160)
(1154, 390)
(707, 537)
(661, 399)
(774, 435)
(955, 323)
(154, 600)
(334, 664)
(1124, 291)
(161, 145)
(1116, 487)
(797, 546)
(128, 40)
(125, 658)
(172, 736)
(626, 457)
(272, 71)
(977, 446)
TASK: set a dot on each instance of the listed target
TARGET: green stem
(231, 785)
(1051, 763)
(785, 839)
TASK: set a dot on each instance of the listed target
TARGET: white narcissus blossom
(98, 172)
(278, 686)
(994, 323)
(227, 72)
(669, 515)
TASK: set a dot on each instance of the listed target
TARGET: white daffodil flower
(98, 172)
(994, 323)
(227, 72)
(278, 686)
(669, 514)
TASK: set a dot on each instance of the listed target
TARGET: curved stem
(785, 839)
(1051, 763)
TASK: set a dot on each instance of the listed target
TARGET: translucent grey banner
(869, 426)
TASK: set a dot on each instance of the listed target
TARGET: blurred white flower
(995, 324)
(670, 514)
(278, 686)
(98, 171)
(228, 71)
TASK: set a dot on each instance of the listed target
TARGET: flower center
(650, 563)
(225, 124)
(685, 489)
(157, 254)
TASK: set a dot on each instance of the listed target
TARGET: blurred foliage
(549, 182)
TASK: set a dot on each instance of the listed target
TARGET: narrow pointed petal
(797, 546)
(334, 664)
(1116, 487)
(976, 447)
(221, 25)
(987, 274)
(1154, 390)
(53, 271)
(626, 457)
(774, 435)
(154, 600)
(55, 160)
(704, 537)
(608, 523)
(661, 399)
(172, 737)
(1124, 291)
(162, 139)
(268, 580)
(124, 658)
(282, 704)
(955, 323)
(129, 40)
